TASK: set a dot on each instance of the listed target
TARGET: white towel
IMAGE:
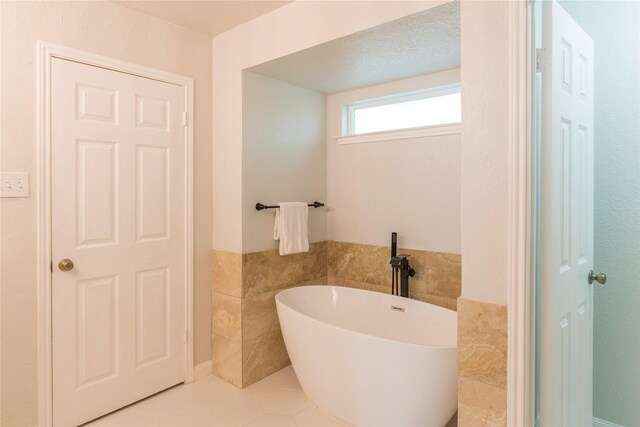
(291, 227)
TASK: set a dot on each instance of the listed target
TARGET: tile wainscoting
(226, 317)
(247, 344)
(482, 364)
(437, 280)
(264, 274)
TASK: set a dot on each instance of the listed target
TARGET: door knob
(65, 264)
(600, 278)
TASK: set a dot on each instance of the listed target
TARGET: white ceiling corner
(206, 16)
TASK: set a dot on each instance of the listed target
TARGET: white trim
(436, 130)
(46, 52)
(597, 422)
(412, 95)
(202, 370)
(520, 362)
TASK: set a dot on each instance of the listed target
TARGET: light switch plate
(14, 184)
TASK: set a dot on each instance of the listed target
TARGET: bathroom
(268, 89)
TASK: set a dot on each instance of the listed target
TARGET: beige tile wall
(482, 364)
(437, 280)
(246, 338)
(264, 274)
(226, 317)
(247, 344)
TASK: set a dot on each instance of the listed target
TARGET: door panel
(118, 211)
(566, 222)
(97, 104)
(97, 335)
(96, 178)
(152, 197)
(152, 318)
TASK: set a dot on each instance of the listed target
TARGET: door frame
(522, 225)
(46, 52)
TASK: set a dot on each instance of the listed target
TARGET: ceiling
(206, 16)
(423, 43)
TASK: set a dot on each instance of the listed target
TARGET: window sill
(436, 130)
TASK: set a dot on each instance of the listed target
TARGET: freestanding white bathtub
(369, 358)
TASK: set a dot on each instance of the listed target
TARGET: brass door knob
(600, 278)
(65, 265)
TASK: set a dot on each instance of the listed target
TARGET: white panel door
(118, 213)
(566, 353)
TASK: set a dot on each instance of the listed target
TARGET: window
(439, 106)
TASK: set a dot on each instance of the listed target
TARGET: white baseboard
(597, 422)
(202, 370)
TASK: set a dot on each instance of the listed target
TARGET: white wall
(411, 186)
(616, 359)
(107, 29)
(289, 29)
(485, 144)
(283, 156)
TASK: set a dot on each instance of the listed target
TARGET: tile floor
(278, 400)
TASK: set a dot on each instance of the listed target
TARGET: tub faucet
(400, 267)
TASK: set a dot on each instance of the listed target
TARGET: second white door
(566, 335)
(118, 219)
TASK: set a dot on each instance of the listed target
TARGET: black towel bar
(260, 206)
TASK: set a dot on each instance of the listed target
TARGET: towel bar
(260, 206)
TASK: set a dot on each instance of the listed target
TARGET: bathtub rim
(443, 347)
